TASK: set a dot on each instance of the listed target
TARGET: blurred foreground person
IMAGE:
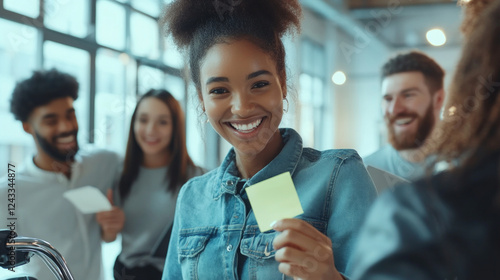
(448, 226)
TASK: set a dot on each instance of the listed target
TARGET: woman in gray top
(156, 165)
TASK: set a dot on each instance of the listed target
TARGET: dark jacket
(443, 227)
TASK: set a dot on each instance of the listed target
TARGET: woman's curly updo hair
(200, 24)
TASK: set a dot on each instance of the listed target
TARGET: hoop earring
(204, 116)
(286, 110)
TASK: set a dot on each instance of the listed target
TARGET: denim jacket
(214, 238)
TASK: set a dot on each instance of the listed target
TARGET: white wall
(358, 100)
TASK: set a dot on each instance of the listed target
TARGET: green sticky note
(274, 199)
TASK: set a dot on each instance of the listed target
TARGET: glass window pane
(69, 17)
(149, 78)
(57, 56)
(115, 100)
(176, 86)
(110, 24)
(150, 7)
(29, 8)
(319, 61)
(317, 92)
(306, 109)
(306, 129)
(18, 60)
(144, 32)
(306, 61)
(195, 129)
(171, 55)
(306, 86)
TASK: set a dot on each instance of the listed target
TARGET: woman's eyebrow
(216, 79)
(258, 73)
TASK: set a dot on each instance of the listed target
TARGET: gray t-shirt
(149, 213)
(388, 159)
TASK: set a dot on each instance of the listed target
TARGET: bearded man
(412, 91)
(43, 104)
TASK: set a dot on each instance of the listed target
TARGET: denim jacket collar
(286, 160)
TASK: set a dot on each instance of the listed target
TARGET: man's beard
(53, 151)
(411, 140)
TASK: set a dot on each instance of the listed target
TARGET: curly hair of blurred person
(473, 10)
(472, 113)
(41, 89)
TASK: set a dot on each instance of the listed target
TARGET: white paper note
(88, 199)
(274, 199)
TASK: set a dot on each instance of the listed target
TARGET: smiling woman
(237, 63)
(156, 165)
(243, 99)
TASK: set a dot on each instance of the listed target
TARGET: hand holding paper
(111, 221)
(274, 199)
(311, 249)
(88, 200)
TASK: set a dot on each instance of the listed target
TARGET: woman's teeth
(246, 127)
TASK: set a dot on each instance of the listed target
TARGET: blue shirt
(214, 238)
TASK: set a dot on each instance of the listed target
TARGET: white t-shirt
(42, 212)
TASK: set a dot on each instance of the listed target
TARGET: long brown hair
(177, 173)
(470, 129)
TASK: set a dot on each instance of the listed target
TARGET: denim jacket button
(229, 248)
(229, 183)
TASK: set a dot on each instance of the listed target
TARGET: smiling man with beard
(44, 105)
(412, 90)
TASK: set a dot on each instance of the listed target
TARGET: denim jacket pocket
(258, 247)
(192, 241)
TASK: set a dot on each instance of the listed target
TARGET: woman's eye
(260, 84)
(143, 120)
(218, 91)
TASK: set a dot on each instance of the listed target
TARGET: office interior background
(117, 51)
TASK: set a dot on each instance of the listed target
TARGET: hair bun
(183, 18)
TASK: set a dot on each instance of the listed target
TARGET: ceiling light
(436, 37)
(339, 78)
